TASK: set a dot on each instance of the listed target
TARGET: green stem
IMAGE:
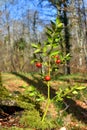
(48, 102)
(48, 84)
(0, 79)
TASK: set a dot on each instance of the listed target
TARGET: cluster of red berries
(58, 61)
(39, 65)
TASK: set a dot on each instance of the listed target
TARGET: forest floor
(74, 120)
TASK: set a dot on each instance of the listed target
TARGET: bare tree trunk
(85, 32)
(67, 43)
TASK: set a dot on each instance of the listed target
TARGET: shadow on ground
(74, 80)
(38, 83)
(79, 112)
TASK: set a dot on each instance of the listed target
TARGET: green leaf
(53, 25)
(56, 35)
(37, 51)
(34, 60)
(49, 35)
(22, 87)
(44, 49)
(49, 30)
(31, 88)
(60, 25)
(54, 53)
(81, 87)
(75, 92)
(68, 96)
(50, 40)
(34, 45)
(58, 20)
(67, 90)
(32, 94)
(54, 45)
(40, 99)
(68, 55)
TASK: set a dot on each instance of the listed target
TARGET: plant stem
(48, 102)
(48, 85)
(0, 79)
(48, 92)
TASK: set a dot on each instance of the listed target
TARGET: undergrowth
(32, 119)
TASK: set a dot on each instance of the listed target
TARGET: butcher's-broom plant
(48, 56)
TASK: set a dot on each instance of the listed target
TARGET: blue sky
(19, 8)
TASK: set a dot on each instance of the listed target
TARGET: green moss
(24, 102)
(4, 93)
(32, 118)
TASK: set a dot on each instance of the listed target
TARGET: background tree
(73, 15)
(62, 12)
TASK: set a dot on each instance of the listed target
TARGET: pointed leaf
(58, 20)
(44, 49)
(54, 53)
(68, 96)
(57, 40)
(48, 35)
(34, 45)
(49, 30)
(50, 40)
(32, 61)
(75, 92)
(37, 51)
(60, 25)
(53, 25)
(31, 88)
(81, 87)
(32, 94)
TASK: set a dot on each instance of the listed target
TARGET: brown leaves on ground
(12, 82)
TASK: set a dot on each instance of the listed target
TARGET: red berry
(58, 61)
(38, 64)
(47, 78)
